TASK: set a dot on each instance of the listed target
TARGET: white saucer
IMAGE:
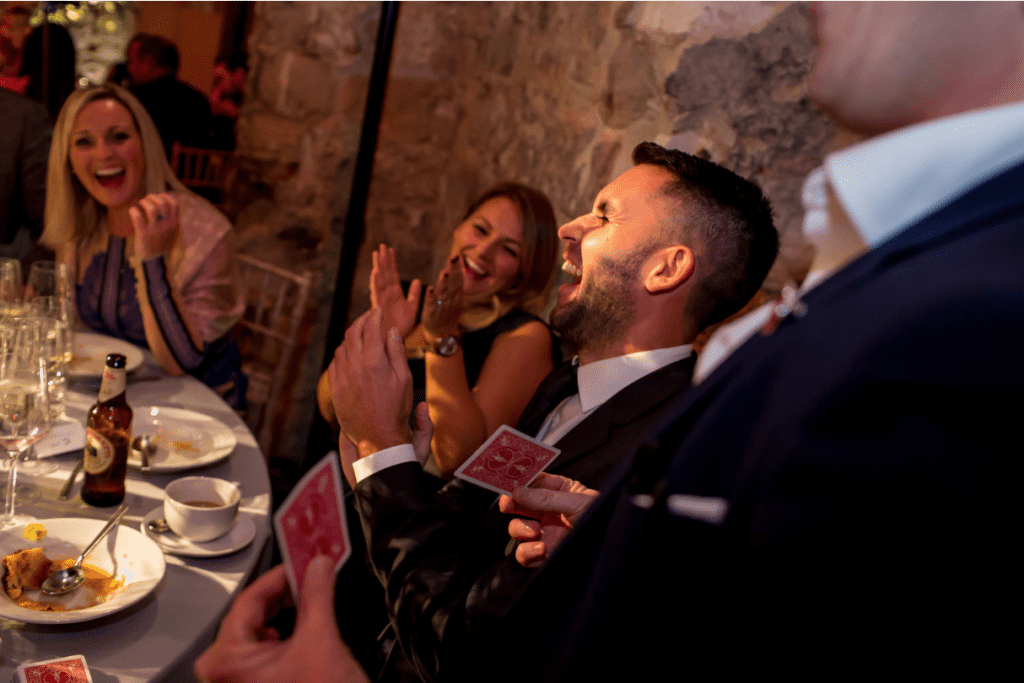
(240, 536)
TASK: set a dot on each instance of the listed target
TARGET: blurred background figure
(14, 29)
(24, 149)
(48, 62)
(225, 98)
(181, 113)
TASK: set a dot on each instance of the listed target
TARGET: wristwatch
(446, 345)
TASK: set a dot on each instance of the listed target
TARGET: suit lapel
(623, 408)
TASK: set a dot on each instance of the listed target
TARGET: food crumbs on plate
(34, 532)
(185, 446)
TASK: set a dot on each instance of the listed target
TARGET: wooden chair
(203, 170)
(275, 305)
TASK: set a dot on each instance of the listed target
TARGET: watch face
(446, 345)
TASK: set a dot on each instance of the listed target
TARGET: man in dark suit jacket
(644, 288)
(838, 497)
(24, 154)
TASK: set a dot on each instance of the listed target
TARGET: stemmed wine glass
(24, 412)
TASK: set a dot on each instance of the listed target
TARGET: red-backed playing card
(506, 460)
(311, 522)
(70, 669)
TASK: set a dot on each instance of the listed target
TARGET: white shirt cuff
(381, 460)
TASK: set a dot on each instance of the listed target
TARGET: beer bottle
(107, 434)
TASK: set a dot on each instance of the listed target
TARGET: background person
(181, 113)
(112, 201)
(478, 352)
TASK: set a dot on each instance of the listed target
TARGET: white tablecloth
(159, 638)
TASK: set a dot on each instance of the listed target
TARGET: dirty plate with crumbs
(127, 566)
(184, 439)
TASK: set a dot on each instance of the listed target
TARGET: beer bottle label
(112, 384)
(99, 452)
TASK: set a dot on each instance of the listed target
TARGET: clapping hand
(386, 293)
(555, 503)
(247, 651)
(442, 307)
(155, 221)
(371, 386)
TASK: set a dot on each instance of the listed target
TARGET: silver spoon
(144, 446)
(66, 580)
(159, 526)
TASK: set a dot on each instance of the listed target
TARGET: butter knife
(65, 492)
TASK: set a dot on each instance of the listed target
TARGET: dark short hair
(727, 222)
(163, 52)
(540, 241)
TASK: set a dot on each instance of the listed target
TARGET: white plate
(241, 535)
(184, 439)
(125, 552)
(91, 351)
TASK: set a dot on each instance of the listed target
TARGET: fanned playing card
(506, 460)
(311, 522)
(70, 669)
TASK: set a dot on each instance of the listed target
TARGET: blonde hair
(72, 215)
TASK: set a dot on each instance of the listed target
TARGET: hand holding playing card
(247, 651)
(555, 503)
(312, 522)
(371, 386)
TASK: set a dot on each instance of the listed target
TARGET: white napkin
(65, 436)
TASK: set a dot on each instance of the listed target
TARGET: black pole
(355, 228)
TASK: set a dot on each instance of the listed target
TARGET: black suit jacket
(442, 555)
(24, 153)
(865, 458)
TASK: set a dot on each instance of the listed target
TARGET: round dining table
(159, 637)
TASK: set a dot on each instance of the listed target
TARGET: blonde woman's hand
(442, 307)
(386, 293)
(155, 221)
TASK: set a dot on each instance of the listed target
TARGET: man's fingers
(546, 500)
(423, 433)
(254, 606)
(524, 529)
(531, 554)
(315, 618)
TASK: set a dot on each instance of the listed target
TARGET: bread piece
(25, 570)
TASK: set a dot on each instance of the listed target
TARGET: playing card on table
(70, 669)
(506, 460)
(312, 522)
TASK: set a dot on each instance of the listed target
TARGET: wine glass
(24, 415)
(50, 292)
(10, 287)
(40, 338)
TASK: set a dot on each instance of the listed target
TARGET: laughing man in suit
(672, 245)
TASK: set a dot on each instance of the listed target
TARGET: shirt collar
(890, 182)
(600, 380)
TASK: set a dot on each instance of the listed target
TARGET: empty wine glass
(24, 415)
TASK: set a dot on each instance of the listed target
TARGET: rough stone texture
(552, 94)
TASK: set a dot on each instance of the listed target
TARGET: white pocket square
(703, 508)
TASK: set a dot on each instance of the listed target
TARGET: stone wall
(551, 94)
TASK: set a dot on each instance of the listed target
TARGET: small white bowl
(201, 508)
